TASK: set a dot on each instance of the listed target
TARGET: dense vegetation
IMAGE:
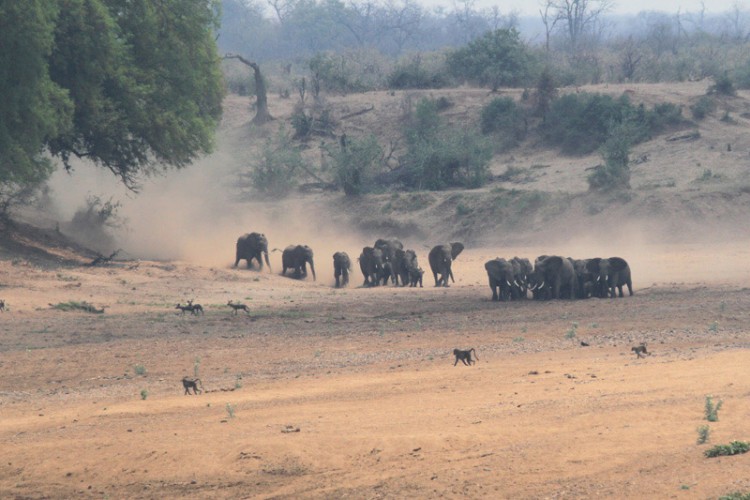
(131, 86)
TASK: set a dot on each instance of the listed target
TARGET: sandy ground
(324, 393)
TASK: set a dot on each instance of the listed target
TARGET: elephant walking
(341, 267)
(252, 246)
(371, 265)
(392, 251)
(297, 257)
(441, 258)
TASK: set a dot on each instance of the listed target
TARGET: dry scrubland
(330, 393)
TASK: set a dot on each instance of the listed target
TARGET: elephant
(558, 275)
(611, 274)
(341, 267)
(585, 279)
(522, 268)
(415, 277)
(409, 267)
(252, 246)
(371, 264)
(297, 257)
(441, 257)
(501, 276)
(391, 254)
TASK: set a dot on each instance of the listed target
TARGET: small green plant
(703, 433)
(238, 381)
(684, 487)
(518, 339)
(712, 410)
(725, 450)
(713, 327)
(73, 305)
(144, 394)
(196, 367)
(462, 210)
(230, 410)
(139, 370)
(571, 333)
(722, 306)
(736, 496)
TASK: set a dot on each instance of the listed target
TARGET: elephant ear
(617, 263)
(592, 265)
(456, 249)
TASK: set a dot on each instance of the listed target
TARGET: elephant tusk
(509, 285)
(542, 285)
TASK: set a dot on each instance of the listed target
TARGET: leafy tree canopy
(498, 58)
(132, 86)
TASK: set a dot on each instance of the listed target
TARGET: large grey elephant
(341, 267)
(252, 246)
(585, 280)
(501, 275)
(297, 257)
(441, 258)
(391, 249)
(611, 274)
(371, 265)
(522, 268)
(558, 275)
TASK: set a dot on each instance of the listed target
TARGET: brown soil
(353, 393)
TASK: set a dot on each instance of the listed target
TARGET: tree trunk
(261, 115)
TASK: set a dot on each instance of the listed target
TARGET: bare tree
(630, 57)
(548, 12)
(580, 18)
(261, 114)
(736, 19)
(403, 20)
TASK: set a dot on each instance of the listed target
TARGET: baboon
(238, 307)
(192, 383)
(640, 350)
(464, 356)
(2, 305)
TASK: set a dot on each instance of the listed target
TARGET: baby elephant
(341, 267)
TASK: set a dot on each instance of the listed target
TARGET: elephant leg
(629, 283)
(494, 289)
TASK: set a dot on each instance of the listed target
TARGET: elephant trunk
(312, 268)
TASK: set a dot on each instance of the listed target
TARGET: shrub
(144, 394)
(355, 162)
(581, 123)
(725, 450)
(439, 156)
(712, 410)
(414, 75)
(335, 73)
(723, 85)
(615, 173)
(502, 115)
(703, 433)
(703, 107)
(278, 168)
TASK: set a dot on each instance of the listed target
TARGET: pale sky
(531, 7)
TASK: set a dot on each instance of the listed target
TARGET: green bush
(711, 410)
(703, 107)
(723, 85)
(355, 163)
(497, 58)
(278, 168)
(440, 156)
(414, 75)
(503, 116)
(725, 450)
(581, 123)
(335, 73)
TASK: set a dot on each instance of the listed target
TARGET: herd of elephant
(550, 277)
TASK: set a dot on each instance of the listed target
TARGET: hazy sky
(531, 7)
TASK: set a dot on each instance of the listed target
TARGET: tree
(262, 115)
(498, 58)
(580, 18)
(134, 87)
(33, 107)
